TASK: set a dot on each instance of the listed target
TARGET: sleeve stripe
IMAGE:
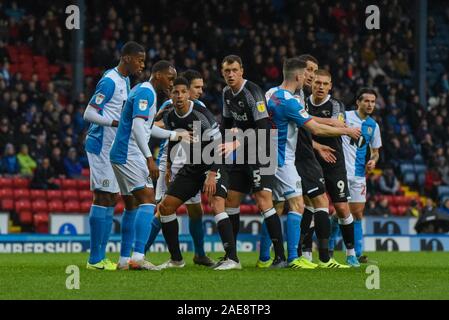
(95, 106)
(142, 117)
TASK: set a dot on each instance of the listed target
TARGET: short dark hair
(308, 57)
(131, 48)
(181, 81)
(363, 91)
(231, 59)
(291, 65)
(323, 72)
(191, 75)
(162, 65)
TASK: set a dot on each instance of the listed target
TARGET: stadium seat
(38, 195)
(409, 177)
(39, 205)
(85, 206)
(67, 184)
(83, 184)
(406, 167)
(401, 210)
(6, 183)
(182, 210)
(25, 217)
(56, 206)
(22, 194)
(54, 195)
(6, 194)
(68, 195)
(21, 183)
(40, 221)
(85, 172)
(72, 206)
(85, 195)
(7, 204)
(442, 190)
(22, 205)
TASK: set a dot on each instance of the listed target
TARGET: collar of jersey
(116, 70)
(188, 112)
(241, 88)
(317, 105)
(358, 116)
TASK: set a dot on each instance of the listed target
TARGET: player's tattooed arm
(371, 164)
(330, 122)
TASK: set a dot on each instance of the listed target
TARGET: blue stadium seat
(405, 167)
(409, 177)
(443, 190)
(420, 168)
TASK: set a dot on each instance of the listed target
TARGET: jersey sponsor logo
(143, 104)
(341, 117)
(99, 98)
(303, 113)
(261, 106)
(239, 117)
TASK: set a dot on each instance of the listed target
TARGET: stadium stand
(36, 107)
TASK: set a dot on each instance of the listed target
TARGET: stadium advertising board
(4, 218)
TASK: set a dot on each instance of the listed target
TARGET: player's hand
(167, 176)
(114, 123)
(152, 167)
(354, 133)
(327, 153)
(228, 148)
(184, 135)
(210, 185)
(370, 165)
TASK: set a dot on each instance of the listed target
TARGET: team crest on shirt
(341, 117)
(241, 104)
(370, 130)
(99, 98)
(105, 183)
(261, 106)
(303, 113)
(143, 104)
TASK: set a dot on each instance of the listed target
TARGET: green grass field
(402, 276)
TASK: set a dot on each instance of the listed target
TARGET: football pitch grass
(402, 276)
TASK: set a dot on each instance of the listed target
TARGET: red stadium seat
(67, 184)
(182, 210)
(38, 195)
(25, 217)
(54, 195)
(85, 195)
(22, 205)
(68, 195)
(6, 194)
(7, 204)
(6, 183)
(83, 184)
(85, 172)
(85, 206)
(72, 206)
(56, 206)
(22, 194)
(41, 222)
(21, 183)
(119, 207)
(402, 210)
(248, 209)
(40, 205)
(393, 210)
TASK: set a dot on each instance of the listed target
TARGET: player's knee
(164, 209)
(296, 204)
(342, 209)
(217, 205)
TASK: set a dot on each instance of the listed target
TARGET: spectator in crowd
(432, 182)
(72, 165)
(429, 206)
(388, 183)
(26, 163)
(370, 208)
(57, 162)
(10, 164)
(44, 176)
(413, 210)
(382, 208)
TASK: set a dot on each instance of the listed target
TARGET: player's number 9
(341, 186)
